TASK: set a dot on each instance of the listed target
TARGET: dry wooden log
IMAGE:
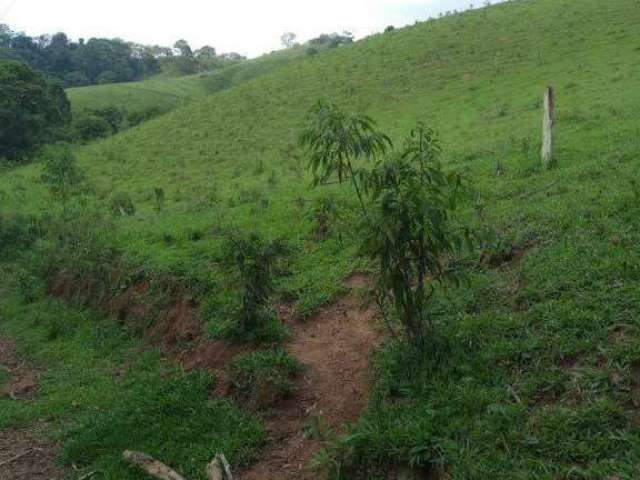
(219, 468)
(152, 466)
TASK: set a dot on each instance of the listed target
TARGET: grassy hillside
(168, 93)
(536, 369)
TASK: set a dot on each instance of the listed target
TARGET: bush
(88, 126)
(262, 379)
(137, 117)
(258, 262)
(114, 116)
(324, 213)
(18, 232)
(60, 172)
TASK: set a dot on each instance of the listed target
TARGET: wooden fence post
(548, 123)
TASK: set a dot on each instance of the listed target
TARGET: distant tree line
(322, 42)
(33, 110)
(102, 60)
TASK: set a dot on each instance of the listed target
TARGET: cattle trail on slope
(335, 346)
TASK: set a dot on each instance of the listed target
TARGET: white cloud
(249, 27)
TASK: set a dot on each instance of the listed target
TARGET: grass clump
(151, 412)
(262, 379)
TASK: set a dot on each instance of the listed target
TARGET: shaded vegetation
(33, 111)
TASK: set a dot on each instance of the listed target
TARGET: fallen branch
(13, 459)
(151, 466)
(219, 468)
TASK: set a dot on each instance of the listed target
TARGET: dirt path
(24, 455)
(335, 346)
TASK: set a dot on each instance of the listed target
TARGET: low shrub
(258, 262)
(262, 379)
(18, 232)
(87, 126)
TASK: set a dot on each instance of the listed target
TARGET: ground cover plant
(536, 371)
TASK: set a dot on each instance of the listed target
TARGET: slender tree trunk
(355, 185)
(548, 123)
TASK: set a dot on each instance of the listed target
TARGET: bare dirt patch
(24, 455)
(22, 379)
(334, 345)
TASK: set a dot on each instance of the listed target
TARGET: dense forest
(101, 60)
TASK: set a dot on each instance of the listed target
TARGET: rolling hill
(534, 371)
(166, 93)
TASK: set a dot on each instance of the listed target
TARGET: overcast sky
(249, 27)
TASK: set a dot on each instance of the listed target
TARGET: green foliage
(149, 413)
(406, 215)
(98, 60)
(409, 231)
(335, 140)
(60, 171)
(88, 126)
(143, 100)
(32, 110)
(18, 232)
(324, 213)
(258, 262)
(262, 379)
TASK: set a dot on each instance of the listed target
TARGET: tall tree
(288, 39)
(31, 109)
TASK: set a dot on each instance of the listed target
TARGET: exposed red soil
(175, 326)
(334, 345)
(24, 455)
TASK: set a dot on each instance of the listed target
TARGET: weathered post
(548, 123)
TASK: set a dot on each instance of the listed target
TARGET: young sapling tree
(410, 232)
(258, 262)
(60, 172)
(407, 202)
(336, 140)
